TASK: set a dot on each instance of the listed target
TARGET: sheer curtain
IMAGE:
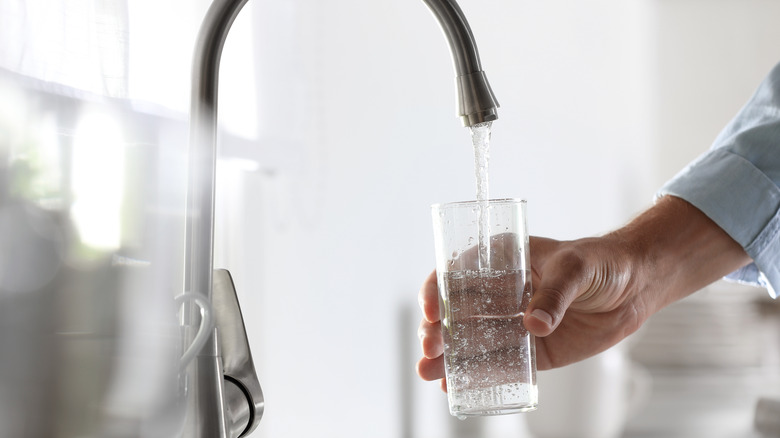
(93, 143)
(113, 48)
(138, 50)
(79, 44)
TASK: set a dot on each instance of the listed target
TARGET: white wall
(329, 237)
(708, 58)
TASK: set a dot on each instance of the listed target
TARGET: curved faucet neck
(476, 101)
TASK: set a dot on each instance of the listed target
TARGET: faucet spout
(476, 101)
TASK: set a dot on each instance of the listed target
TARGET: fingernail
(543, 316)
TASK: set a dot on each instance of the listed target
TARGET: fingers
(431, 366)
(428, 298)
(431, 369)
(562, 276)
(431, 339)
(545, 312)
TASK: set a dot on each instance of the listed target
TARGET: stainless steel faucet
(476, 101)
(218, 405)
(224, 399)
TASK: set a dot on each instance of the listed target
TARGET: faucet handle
(244, 402)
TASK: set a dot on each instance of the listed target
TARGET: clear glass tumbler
(484, 278)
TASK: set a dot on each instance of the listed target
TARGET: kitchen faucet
(223, 396)
(476, 102)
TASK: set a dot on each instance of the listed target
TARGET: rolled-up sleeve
(737, 184)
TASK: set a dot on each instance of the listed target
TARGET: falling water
(480, 138)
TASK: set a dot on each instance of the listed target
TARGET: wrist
(674, 249)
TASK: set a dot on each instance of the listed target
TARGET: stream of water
(480, 138)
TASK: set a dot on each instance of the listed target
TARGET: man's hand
(591, 293)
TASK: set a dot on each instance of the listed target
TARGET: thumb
(559, 286)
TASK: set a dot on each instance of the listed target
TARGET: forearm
(676, 250)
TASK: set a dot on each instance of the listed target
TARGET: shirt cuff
(744, 202)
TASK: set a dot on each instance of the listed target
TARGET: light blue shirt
(737, 184)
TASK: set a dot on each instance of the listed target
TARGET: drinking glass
(484, 279)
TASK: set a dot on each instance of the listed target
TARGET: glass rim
(474, 202)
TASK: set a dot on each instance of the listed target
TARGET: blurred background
(338, 130)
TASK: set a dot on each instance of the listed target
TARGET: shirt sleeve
(737, 184)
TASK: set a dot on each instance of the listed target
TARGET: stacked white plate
(720, 326)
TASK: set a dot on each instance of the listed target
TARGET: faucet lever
(244, 402)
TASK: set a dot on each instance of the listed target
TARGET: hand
(591, 293)
(581, 305)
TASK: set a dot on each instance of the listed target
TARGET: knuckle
(572, 262)
(553, 300)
